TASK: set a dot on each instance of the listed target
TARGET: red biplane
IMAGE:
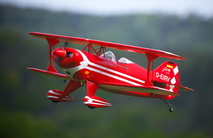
(97, 68)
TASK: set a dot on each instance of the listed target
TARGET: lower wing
(49, 73)
(143, 89)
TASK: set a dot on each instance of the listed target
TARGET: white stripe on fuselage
(116, 72)
(86, 62)
(113, 76)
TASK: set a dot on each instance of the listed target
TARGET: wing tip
(33, 33)
(181, 58)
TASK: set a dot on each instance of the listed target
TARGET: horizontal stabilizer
(179, 87)
(49, 73)
(183, 88)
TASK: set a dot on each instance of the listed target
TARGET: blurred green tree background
(26, 112)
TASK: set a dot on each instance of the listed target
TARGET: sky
(119, 7)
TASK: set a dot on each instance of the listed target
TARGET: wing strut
(91, 49)
(150, 58)
(52, 42)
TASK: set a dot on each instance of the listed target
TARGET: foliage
(25, 111)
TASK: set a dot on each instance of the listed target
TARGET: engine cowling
(95, 101)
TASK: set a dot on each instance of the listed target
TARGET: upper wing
(83, 41)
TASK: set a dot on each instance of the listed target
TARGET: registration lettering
(162, 77)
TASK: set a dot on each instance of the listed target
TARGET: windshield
(110, 55)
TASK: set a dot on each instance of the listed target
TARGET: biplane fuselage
(82, 66)
(99, 69)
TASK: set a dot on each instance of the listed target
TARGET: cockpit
(110, 55)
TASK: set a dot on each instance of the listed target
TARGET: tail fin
(167, 76)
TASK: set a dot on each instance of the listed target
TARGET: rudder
(167, 76)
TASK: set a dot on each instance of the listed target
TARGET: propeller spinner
(59, 53)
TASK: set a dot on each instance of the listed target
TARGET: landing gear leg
(170, 106)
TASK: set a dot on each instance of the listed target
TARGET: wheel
(171, 109)
(91, 107)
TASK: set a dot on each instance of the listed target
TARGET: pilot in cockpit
(110, 55)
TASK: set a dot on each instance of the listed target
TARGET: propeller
(68, 54)
(61, 53)
(65, 44)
